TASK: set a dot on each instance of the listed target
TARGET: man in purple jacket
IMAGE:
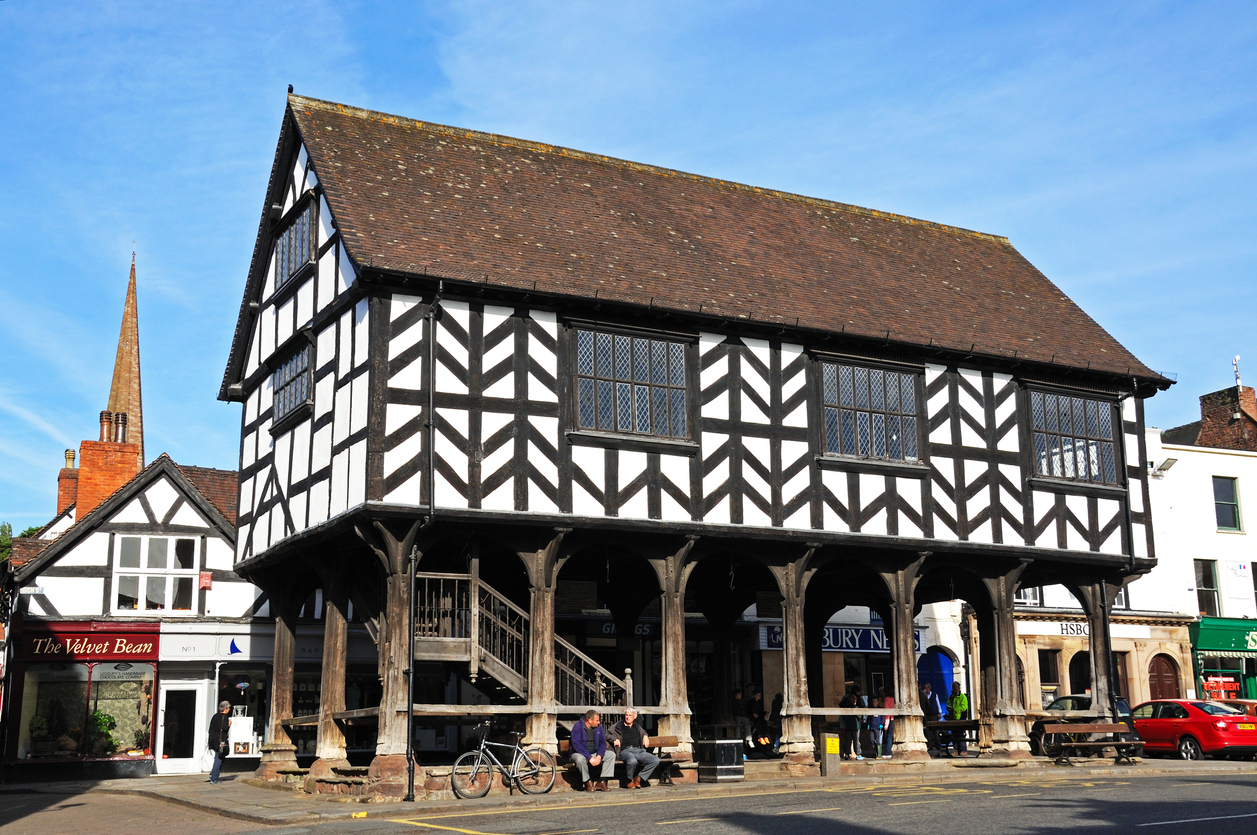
(589, 748)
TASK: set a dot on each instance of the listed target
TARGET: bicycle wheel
(471, 775)
(534, 770)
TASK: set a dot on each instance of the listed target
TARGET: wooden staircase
(460, 618)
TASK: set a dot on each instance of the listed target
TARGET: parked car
(1248, 706)
(1195, 729)
(1063, 703)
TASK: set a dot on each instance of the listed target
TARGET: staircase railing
(579, 680)
(461, 607)
(503, 629)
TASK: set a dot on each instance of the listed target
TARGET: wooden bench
(951, 730)
(1060, 739)
(657, 743)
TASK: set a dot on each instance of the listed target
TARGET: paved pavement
(236, 806)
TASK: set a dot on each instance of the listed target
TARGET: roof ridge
(544, 148)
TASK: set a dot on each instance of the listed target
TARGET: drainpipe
(410, 681)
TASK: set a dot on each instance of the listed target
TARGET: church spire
(124, 392)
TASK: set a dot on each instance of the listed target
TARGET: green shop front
(1225, 653)
(82, 700)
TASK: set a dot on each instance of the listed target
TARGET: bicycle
(531, 769)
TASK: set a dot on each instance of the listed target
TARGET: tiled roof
(1185, 434)
(26, 549)
(220, 487)
(418, 198)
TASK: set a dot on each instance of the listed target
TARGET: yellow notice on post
(833, 745)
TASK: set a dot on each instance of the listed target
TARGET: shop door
(180, 741)
(1162, 678)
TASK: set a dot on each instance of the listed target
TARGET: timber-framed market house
(558, 389)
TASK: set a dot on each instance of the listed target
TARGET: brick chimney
(105, 465)
(67, 483)
(1228, 419)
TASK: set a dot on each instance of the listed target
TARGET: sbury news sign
(89, 646)
(844, 639)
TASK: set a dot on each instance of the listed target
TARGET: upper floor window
(1029, 596)
(295, 246)
(1207, 587)
(291, 383)
(1073, 437)
(1226, 503)
(869, 412)
(631, 384)
(154, 574)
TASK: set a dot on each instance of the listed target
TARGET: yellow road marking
(805, 811)
(915, 802)
(478, 832)
(611, 803)
(687, 820)
(1002, 796)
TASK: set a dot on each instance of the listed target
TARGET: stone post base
(797, 743)
(1008, 737)
(678, 725)
(321, 769)
(910, 739)
(387, 777)
(540, 729)
(275, 757)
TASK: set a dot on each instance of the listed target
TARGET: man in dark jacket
(589, 748)
(631, 742)
(219, 730)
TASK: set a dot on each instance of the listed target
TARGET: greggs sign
(95, 646)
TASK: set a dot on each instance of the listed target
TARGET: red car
(1194, 728)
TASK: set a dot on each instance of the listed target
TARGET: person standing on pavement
(888, 725)
(739, 715)
(958, 710)
(589, 749)
(932, 707)
(631, 742)
(219, 731)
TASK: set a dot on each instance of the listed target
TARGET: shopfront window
(1049, 675)
(155, 574)
(86, 710)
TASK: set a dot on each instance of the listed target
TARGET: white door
(180, 735)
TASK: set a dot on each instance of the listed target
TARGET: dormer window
(295, 246)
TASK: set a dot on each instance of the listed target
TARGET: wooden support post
(1008, 728)
(909, 731)
(331, 741)
(1097, 601)
(473, 608)
(543, 570)
(279, 752)
(674, 572)
(797, 742)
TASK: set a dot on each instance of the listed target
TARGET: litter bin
(719, 751)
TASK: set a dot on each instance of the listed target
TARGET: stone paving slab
(236, 798)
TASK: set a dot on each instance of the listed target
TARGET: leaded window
(1073, 437)
(291, 382)
(869, 412)
(295, 246)
(631, 384)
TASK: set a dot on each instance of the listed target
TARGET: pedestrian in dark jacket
(589, 749)
(219, 731)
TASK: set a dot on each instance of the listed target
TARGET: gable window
(154, 574)
(631, 384)
(869, 412)
(291, 384)
(1207, 588)
(1073, 438)
(295, 246)
(1226, 503)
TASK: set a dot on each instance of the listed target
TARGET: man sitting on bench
(631, 741)
(589, 748)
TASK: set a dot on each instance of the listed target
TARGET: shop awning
(1225, 637)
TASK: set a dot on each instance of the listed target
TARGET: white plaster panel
(300, 450)
(909, 490)
(92, 550)
(319, 495)
(357, 473)
(671, 510)
(719, 475)
(631, 465)
(248, 449)
(246, 495)
(218, 555)
(326, 227)
(718, 408)
(305, 302)
(251, 407)
(131, 514)
(346, 274)
(753, 516)
(161, 495)
(714, 373)
(1139, 539)
(676, 468)
(267, 321)
(74, 596)
(404, 453)
(1074, 539)
(871, 487)
(341, 413)
(358, 403)
(836, 483)
(362, 327)
(707, 341)
(397, 415)
(761, 350)
(592, 462)
(283, 450)
(229, 599)
(325, 347)
(344, 362)
(284, 320)
(321, 449)
(340, 484)
(752, 413)
(503, 498)
(187, 516)
(719, 513)
(405, 340)
(636, 507)
(326, 279)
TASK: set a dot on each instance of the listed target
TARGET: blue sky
(1115, 145)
